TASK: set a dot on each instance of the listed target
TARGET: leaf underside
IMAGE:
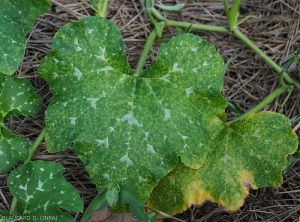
(17, 97)
(16, 18)
(130, 129)
(41, 190)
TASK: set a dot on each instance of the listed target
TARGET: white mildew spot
(73, 119)
(111, 129)
(267, 141)
(183, 137)
(56, 60)
(226, 181)
(209, 86)
(100, 57)
(77, 73)
(150, 149)
(40, 186)
(275, 127)
(123, 77)
(46, 205)
(23, 187)
(1, 153)
(147, 135)
(106, 68)
(201, 144)
(195, 70)
(102, 142)
(51, 176)
(76, 42)
(102, 49)
(127, 160)
(167, 114)
(106, 176)
(90, 31)
(78, 48)
(65, 104)
(189, 91)
(131, 119)
(259, 157)
(165, 78)
(205, 63)
(267, 171)
(194, 49)
(141, 179)
(114, 167)
(176, 69)
(62, 192)
(131, 105)
(160, 101)
(13, 41)
(93, 102)
(5, 55)
(42, 169)
(28, 198)
(59, 202)
(225, 158)
(251, 153)
(55, 75)
(63, 37)
(256, 133)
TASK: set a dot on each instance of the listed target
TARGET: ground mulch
(248, 79)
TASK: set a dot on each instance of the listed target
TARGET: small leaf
(41, 190)
(173, 8)
(159, 27)
(98, 203)
(235, 108)
(17, 97)
(16, 18)
(112, 195)
(243, 155)
(290, 62)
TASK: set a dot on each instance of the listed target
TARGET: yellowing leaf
(242, 155)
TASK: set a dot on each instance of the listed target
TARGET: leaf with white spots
(41, 190)
(249, 154)
(17, 97)
(129, 129)
(16, 19)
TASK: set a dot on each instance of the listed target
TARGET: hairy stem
(262, 104)
(145, 53)
(187, 25)
(103, 8)
(241, 36)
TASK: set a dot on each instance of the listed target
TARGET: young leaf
(17, 97)
(289, 62)
(243, 155)
(131, 129)
(16, 16)
(171, 8)
(41, 190)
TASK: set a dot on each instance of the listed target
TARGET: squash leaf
(41, 190)
(249, 154)
(17, 97)
(127, 128)
(16, 19)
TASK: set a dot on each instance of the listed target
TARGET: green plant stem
(262, 104)
(31, 151)
(164, 214)
(186, 24)
(241, 36)
(103, 8)
(145, 52)
(35, 145)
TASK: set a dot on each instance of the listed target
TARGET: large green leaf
(17, 97)
(16, 18)
(243, 155)
(130, 129)
(41, 191)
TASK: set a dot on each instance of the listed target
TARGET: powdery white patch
(93, 102)
(176, 69)
(102, 142)
(189, 91)
(150, 149)
(167, 114)
(165, 78)
(77, 73)
(126, 159)
(131, 119)
(73, 119)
